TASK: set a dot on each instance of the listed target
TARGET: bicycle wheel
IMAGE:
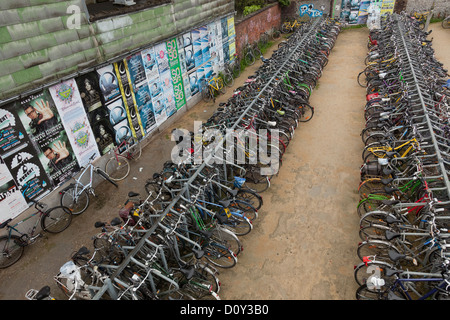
(11, 250)
(236, 68)
(249, 58)
(276, 34)
(105, 176)
(228, 78)
(221, 86)
(285, 28)
(249, 197)
(135, 150)
(117, 167)
(75, 199)
(446, 23)
(307, 112)
(56, 220)
(364, 293)
(219, 255)
(365, 270)
(227, 239)
(375, 248)
(206, 93)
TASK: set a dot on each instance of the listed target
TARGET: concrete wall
(250, 28)
(38, 46)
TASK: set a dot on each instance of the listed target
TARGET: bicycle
(76, 195)
(446, 23)
(42, 294)
(290, 26)
(212, 87)
(52, 220)
(118, 166)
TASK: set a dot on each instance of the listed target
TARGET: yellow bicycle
(375, 150)
(212, 87)
(421, 17)
(290, 26)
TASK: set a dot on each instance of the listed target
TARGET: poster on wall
(75, 121)
(42, 123)
(108, 83)
(175, 79)
(97, 113)
(12, 202)
(129, 102)
(387, 6)
(19, 155)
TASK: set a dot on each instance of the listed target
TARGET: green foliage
(250, 9)
(241, 4)
(284, 3)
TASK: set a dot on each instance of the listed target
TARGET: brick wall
(250, 28)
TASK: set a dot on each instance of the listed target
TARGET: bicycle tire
(105, 176)
(276, 34)
(117, 168)
(285, 28)
(375, 248)
(221, 86)
(11, 251)
(228, 78)
(227, 238)
(251, 197)
(220, 256)
(56, 219)
(206, 94)
(364, 293)
(446, 23)
(78, 205)
(307, 112)
(135, 150)
(364, 270)
(249, 58)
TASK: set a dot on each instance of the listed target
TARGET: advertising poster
(197, 47)
(75, 121)
(128, 99)
(12, 203)
(97, 113)
(225, 46)
(204, 41)
(387, 7)
(43, 124)
(119, 120)
(18, 155)
(363, 13)
(108, 83)
(145, 106)
(176, 78)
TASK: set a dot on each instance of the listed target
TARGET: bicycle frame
(403, 285)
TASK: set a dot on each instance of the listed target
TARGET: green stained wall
(38, 48)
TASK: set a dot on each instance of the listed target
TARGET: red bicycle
(118, 166)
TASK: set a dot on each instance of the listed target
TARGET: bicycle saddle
(395, 256)
(225, 203)
(188, 273)
(4, 224)
(391, 219)
(43, 293)
(387, 181)
(390, 202)
(198, 253)
(390, 190)
(132, 194)
(116, 221)
(391, 272)
(99, 224)
(391, 235)
(234, 192)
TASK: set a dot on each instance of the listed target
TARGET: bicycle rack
(253, 105)
(413, 77)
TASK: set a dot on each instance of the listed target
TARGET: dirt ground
(303, 246)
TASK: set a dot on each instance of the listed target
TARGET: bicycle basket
(239, 182)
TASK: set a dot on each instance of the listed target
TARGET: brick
(15, 48)
(6, 84)
(5, 37)
(51, 25)
(9, 17)
(23, 30)
(11, 65)
(27, 75)
(42, 42)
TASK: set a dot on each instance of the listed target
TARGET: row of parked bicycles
(171, 242)
(404, 190)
